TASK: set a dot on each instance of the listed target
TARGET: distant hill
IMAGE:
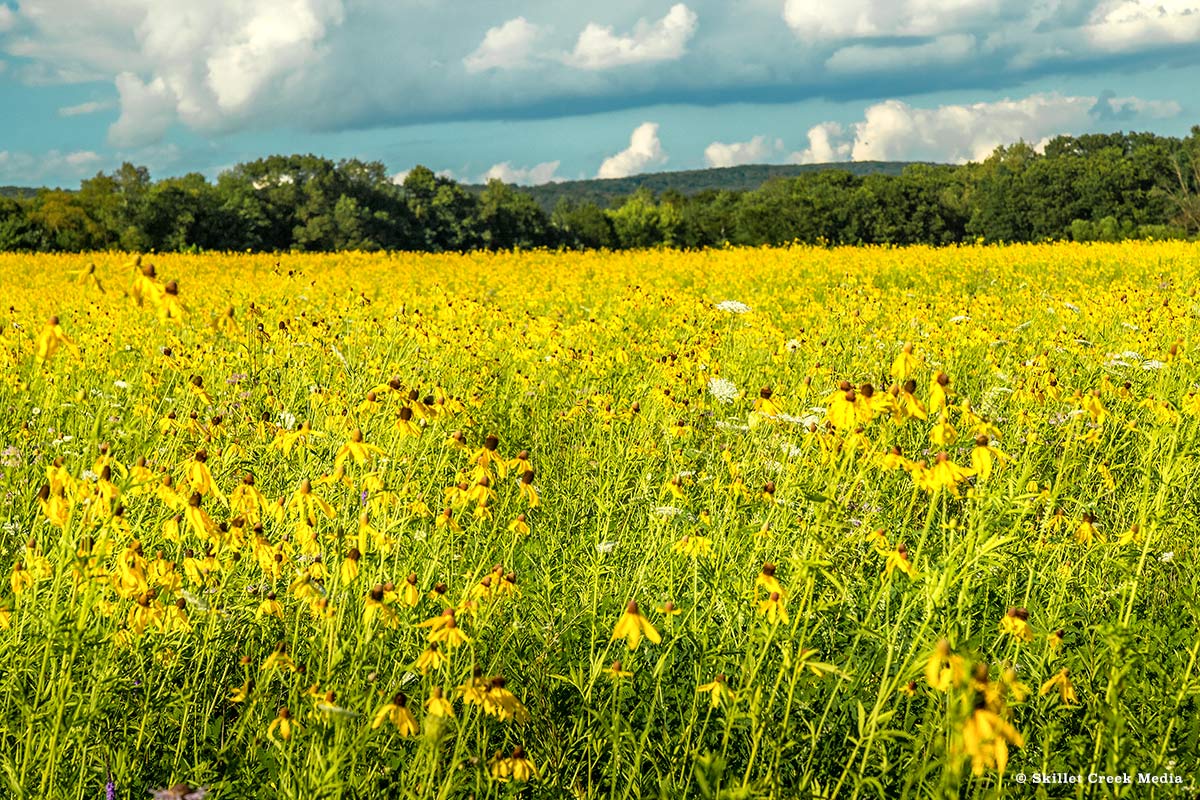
(17, 191)
(602, 192)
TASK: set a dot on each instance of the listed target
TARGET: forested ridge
(1083, 188)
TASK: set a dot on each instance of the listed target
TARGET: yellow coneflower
(905, 365)
(396, 711)
(527, 489)
(718, 691)
(284, 724)
(519, 525)
(1066, 690)
(767, 581)
(693, 546)
(986, 737)
(632, 626)
(1015, 623)
(430, 658)
(616, 671)
(501, 703)
(773, 609)
(437, 705)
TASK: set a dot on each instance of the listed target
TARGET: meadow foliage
(720, 524)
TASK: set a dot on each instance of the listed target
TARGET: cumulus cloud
(25, 168)
(599, 47)
(1123, 25)
(857, 19)
(1110, 107)
(645, 150)
(897, 131)
(213, 65)
(90, 107)
(734, 154)
(507, 46)
(147, 111)
(224, 66)
(823, 145)
(526, 176)
(8, 19)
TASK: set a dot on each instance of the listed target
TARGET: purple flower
(110, 790)
(362, 498)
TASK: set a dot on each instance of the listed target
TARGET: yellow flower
(986, 737)
(718, 691)
(1015, 623)
(693, 546)
(897, 561)
(518, 767)
(773, 609)
(944, 670)
(905, 364)
(632, 626)
(283, 724)
(437, 705)
(767, 581)
(396, 711)
(356, 449)
(1062, 682)
(431, 658)
(617, 671)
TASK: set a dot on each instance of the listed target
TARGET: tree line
(1083, 188)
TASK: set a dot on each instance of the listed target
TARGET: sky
(531, 91)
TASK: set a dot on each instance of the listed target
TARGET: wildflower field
(722, 524)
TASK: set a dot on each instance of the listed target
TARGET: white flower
(1072, 306)
(121, 384)
(605, 547)
(287, 420)
(732, 307)
(666, 511)
(1167, 557)
(723, 391)
(1152, 364)
(1023, 325)
(88, 475)
(793, 345)
(959, 318)
(731, 426)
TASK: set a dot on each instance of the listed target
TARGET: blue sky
(534, 90)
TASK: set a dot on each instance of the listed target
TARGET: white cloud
(508, 46)
(528, 176)
(755, 151)
(147, 111)
(1136, 106)
(823, 146)
(896, 131)
(8, 19)
(399, 177)
(90, 107)
(35, 168)
(893, 130)
(599, 48)
(644, 150)
(216, 65)
(855, 19)
(1122, 25)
